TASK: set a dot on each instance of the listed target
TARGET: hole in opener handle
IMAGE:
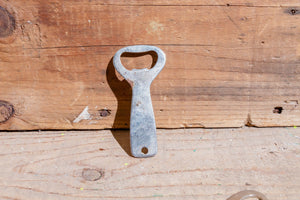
(142, 121)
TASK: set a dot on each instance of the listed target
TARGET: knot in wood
(92, 174)
(7, 23)
(6, 111)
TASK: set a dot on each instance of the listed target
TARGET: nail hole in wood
(293, 11)
(104, 112)
(278, 110)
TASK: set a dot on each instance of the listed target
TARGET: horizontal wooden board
(190, 164)
(227, 66)
(194, 3)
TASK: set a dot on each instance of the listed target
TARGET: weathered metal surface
(142, 123)
(248, 194)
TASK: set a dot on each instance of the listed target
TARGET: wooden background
(199, 164)
(229, 63)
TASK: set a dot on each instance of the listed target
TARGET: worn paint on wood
(190, 164)
(229, 64)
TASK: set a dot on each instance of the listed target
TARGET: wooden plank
(227, 66)
(59, 24)
(190, 164)
(196, 3)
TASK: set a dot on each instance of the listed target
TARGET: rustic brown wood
(227, 65)
(190, 164)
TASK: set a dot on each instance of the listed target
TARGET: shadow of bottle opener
(142, 122)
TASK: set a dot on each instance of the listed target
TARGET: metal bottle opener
(142, 123)
(247, 194)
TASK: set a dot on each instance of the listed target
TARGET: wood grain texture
(227, 65)
(190, 164)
